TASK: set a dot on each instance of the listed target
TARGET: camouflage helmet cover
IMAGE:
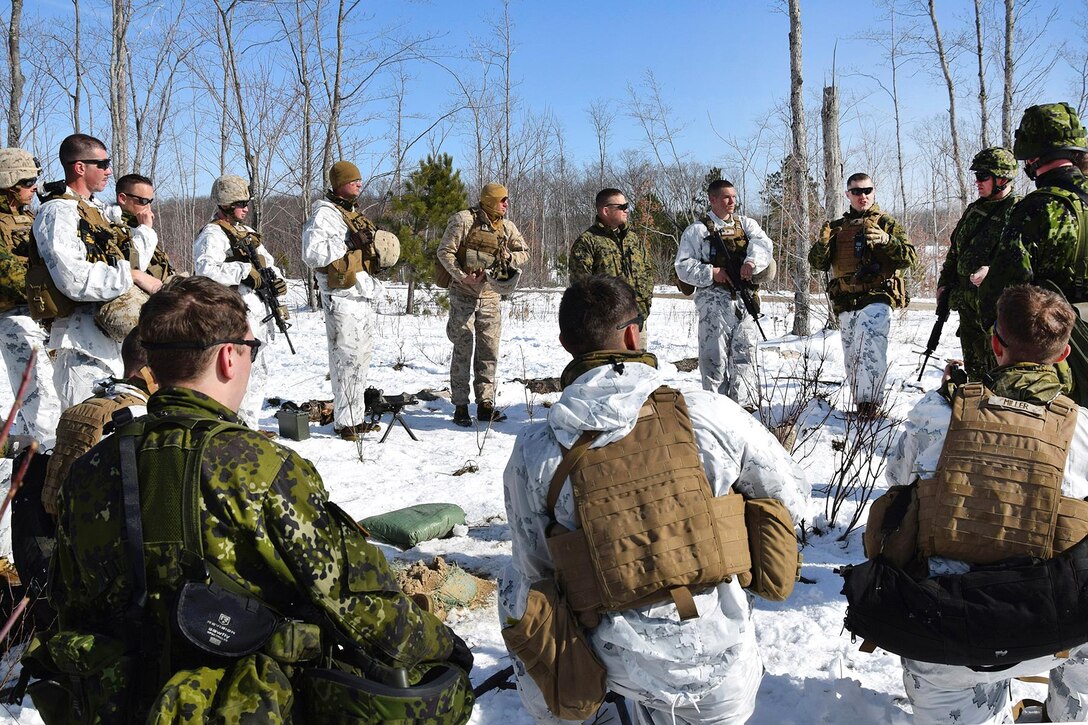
(228, 189)
(1049, 127)
(16, 165)
(996, 160)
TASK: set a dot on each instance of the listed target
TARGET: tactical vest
(159, 267)
(997, 492)
(15, 232)
(851, 254)
(241, 240)
(1077, 203)
(102, 243)
(650, 528)
(80, 429)
(480, 247)
(361, 255)
(733, 249)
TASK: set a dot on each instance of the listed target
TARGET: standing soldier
(222, 252)
(76, 265)
(866, 251)
(720, 244)
(19, 332)
(611, 247)
(972, 245)
(335, 242)
(135, 193)
(482, 252)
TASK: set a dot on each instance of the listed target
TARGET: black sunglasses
(239, 204)
(100, 163)
(142, 200)
(253, 345)
(983, 176)
(860, 190)
(26, 183)
(621, 207)
(637, 320)
(995, 333)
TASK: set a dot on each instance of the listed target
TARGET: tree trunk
(984, 114)
(1006, 102)
(410, 304)
(942, 58)
(119, 68)
(253, 169)
(893, 53)
(15, 64)
(78, 63)
(833, 173)
(800, 167)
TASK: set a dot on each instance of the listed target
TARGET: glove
(876, 236)
(825, 234)
(255, 280)
(280, 286)
(461, 655)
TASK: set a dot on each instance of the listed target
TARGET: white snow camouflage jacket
(324, 240)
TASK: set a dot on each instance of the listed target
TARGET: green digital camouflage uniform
(893, 256)
(616, 252)
(268, 525)
(972, 245)
(1039, 244)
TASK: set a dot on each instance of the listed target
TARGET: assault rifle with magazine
(742, 289)
(267, 291)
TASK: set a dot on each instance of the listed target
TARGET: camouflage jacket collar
(7, 206)
(600, 230)
(190, 403)
(1055, 177)
(874, 210)
(345, 204)
(1030, 382)
(616, 358)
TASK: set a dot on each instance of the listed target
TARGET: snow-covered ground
(814, 672)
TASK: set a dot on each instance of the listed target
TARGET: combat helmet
(996, 160)
(1049, 128)
(228, 189)
(16, 165)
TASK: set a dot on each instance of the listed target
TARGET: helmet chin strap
(998, 188)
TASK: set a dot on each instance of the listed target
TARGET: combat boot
(461, 416)
(486, 412)
(348, 432)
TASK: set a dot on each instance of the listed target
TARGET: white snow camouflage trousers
(349, 327)
(950, 694)
(474, 328)
(727, 347)
(41, 409)
(865, 350)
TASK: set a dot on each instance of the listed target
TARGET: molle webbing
(240, 240)
(15, 230)
(650, 528)
(997, 492)
(342, 273)
(733, 246)
(846, 262)
(481, 245)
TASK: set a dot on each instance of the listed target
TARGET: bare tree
(799, 158)
(601, 115)
(833, 172)
(15, 65)
(984, 116)
(119, 71)
(942, 59)
(1006, 101)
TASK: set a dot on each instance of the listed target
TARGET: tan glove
(876, 236)
(825, 234)
(255, 280)
(280, 287)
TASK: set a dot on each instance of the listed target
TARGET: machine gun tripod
(378, 405)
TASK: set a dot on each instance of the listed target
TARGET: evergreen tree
(432, 194)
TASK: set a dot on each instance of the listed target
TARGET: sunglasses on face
(995, 333)
(26, 183)
(100, 163)
(637, 320)
(141, 200)
(983, 176)
(239, 204)
(618, 207)
(861, 190)
(253, 345)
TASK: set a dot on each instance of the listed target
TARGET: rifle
(938, 327)
(378, 405)
(717, 248)
(266, 291)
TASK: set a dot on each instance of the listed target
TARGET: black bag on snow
(992, 616)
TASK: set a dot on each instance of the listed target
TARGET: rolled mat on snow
(407, 527)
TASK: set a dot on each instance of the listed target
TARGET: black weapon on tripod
(267, 292)
(378, 405)
(938, 328)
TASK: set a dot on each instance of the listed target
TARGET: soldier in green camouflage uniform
(866, 251)
(266, 528)
(611, 247)
(972, 245)
(1039, 244)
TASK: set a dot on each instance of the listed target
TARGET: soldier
(334, 241)
(135, 194)
(999, 441)
(866, 251)
(482, 252)
(972, 245)
(19, 332)
(221, 252)
(76, 264)
(1040, 241)
(727, 332)
(672, 663)
(264, 536)
(610, 246)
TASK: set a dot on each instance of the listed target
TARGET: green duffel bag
(407, 527)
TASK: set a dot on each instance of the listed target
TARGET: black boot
(486, 412)
(461, 416)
